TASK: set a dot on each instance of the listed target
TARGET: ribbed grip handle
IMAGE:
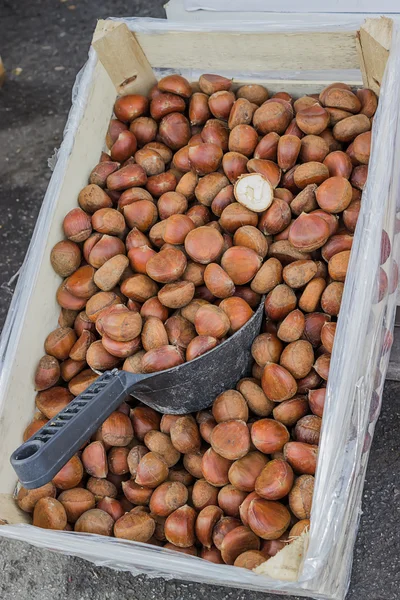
(39, 459)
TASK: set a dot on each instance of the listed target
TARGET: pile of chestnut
(207, 200)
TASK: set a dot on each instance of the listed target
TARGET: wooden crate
(125, 65)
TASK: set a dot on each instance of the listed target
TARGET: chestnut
(138, 527)
(235, 542)
(204, 244)
(268, 519)
(309, 232)
(209, 83)
(300, 497)
(27, 499)
(215, 468)
(76, 502)
(257, 401)
(234, 164)
(185, 436)
(250, 559)
(280, 302)
(272, 116)
(180, 331)
(168, 497)
(70, 475)
(231, 439)
(159, 442)
(200, 345)
(94, 459)
(269, 436)
(65, 258)
(204, 494)
(112, 507)
(290, 411)
(243, 472)
(179, 527)
(308, 429)
(205, 522)
(199, 111)
(151, 470)
(174, 130)
(275, 480)
(220, 104)
(254, 93)
(301, 457)
(214, 132)
(298, 358)
(144, 130)
(230, 405)
(49, 513)
(192, 463)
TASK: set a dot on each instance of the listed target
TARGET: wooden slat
(123, 58)
(373, 45)
(297, 87)
(250, 52)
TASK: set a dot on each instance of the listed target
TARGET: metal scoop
(187, 388)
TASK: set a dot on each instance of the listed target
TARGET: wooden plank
(224, 51)
(123, 58)
(373, 43)
(297, 87)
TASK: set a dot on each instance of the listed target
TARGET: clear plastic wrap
(358, 367)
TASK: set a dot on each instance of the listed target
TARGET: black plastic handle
(39, 459)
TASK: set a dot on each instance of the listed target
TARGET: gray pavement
(43, 44)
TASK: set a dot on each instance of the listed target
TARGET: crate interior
(127, 68)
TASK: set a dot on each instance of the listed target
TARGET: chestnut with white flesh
(254, 191)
